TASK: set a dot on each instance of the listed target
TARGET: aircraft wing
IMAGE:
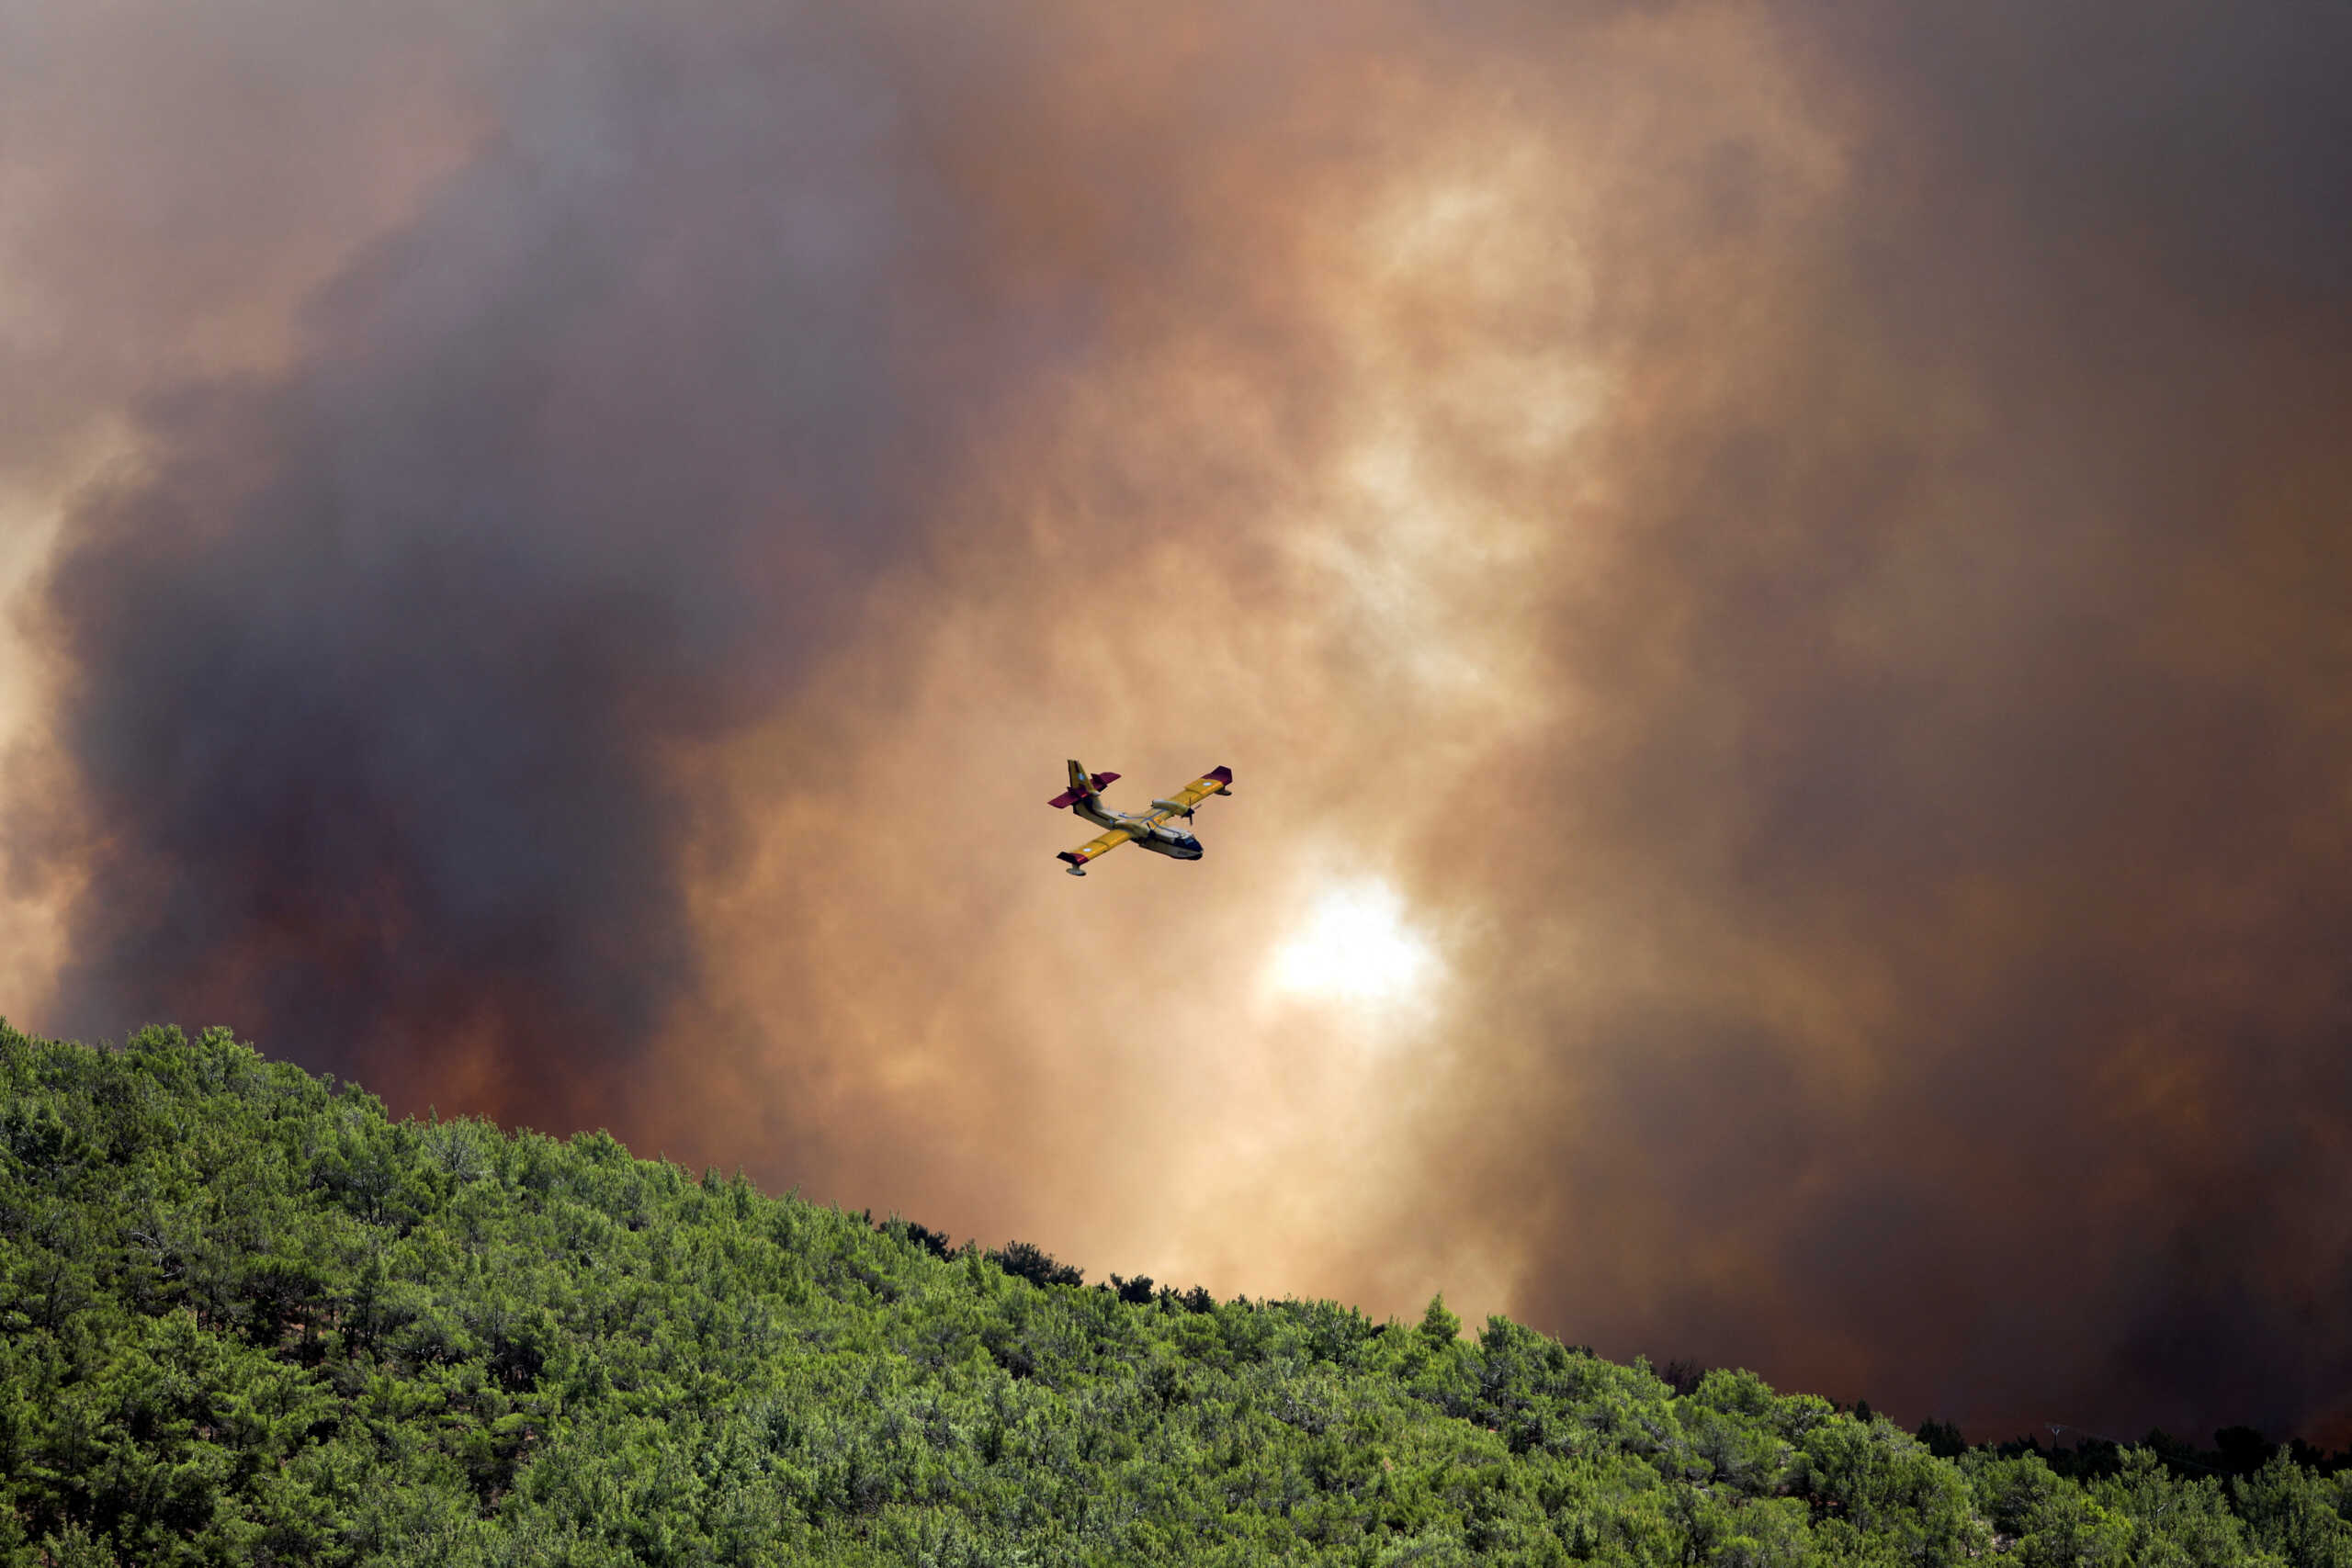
(1214, 781)
(1101, 844)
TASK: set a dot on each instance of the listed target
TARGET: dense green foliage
(250, 1319)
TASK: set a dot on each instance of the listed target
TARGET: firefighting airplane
(1150, 829)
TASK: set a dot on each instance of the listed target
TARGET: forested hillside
(246, 1318)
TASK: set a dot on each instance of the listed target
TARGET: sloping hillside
(249, 1319)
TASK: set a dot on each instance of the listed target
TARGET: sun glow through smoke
(1356, 945)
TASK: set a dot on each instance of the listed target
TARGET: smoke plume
(1771, 578)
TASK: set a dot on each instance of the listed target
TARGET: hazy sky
(1773, 578)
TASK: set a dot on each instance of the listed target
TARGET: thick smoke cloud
(1805, 546)
(1981, 757)
(377, 664)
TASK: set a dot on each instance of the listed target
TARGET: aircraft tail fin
(1083, 785)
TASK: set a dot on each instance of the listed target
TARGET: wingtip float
(1149, 829)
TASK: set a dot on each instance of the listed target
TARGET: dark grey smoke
(380, 667)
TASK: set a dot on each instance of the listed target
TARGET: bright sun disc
(1355, 946)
